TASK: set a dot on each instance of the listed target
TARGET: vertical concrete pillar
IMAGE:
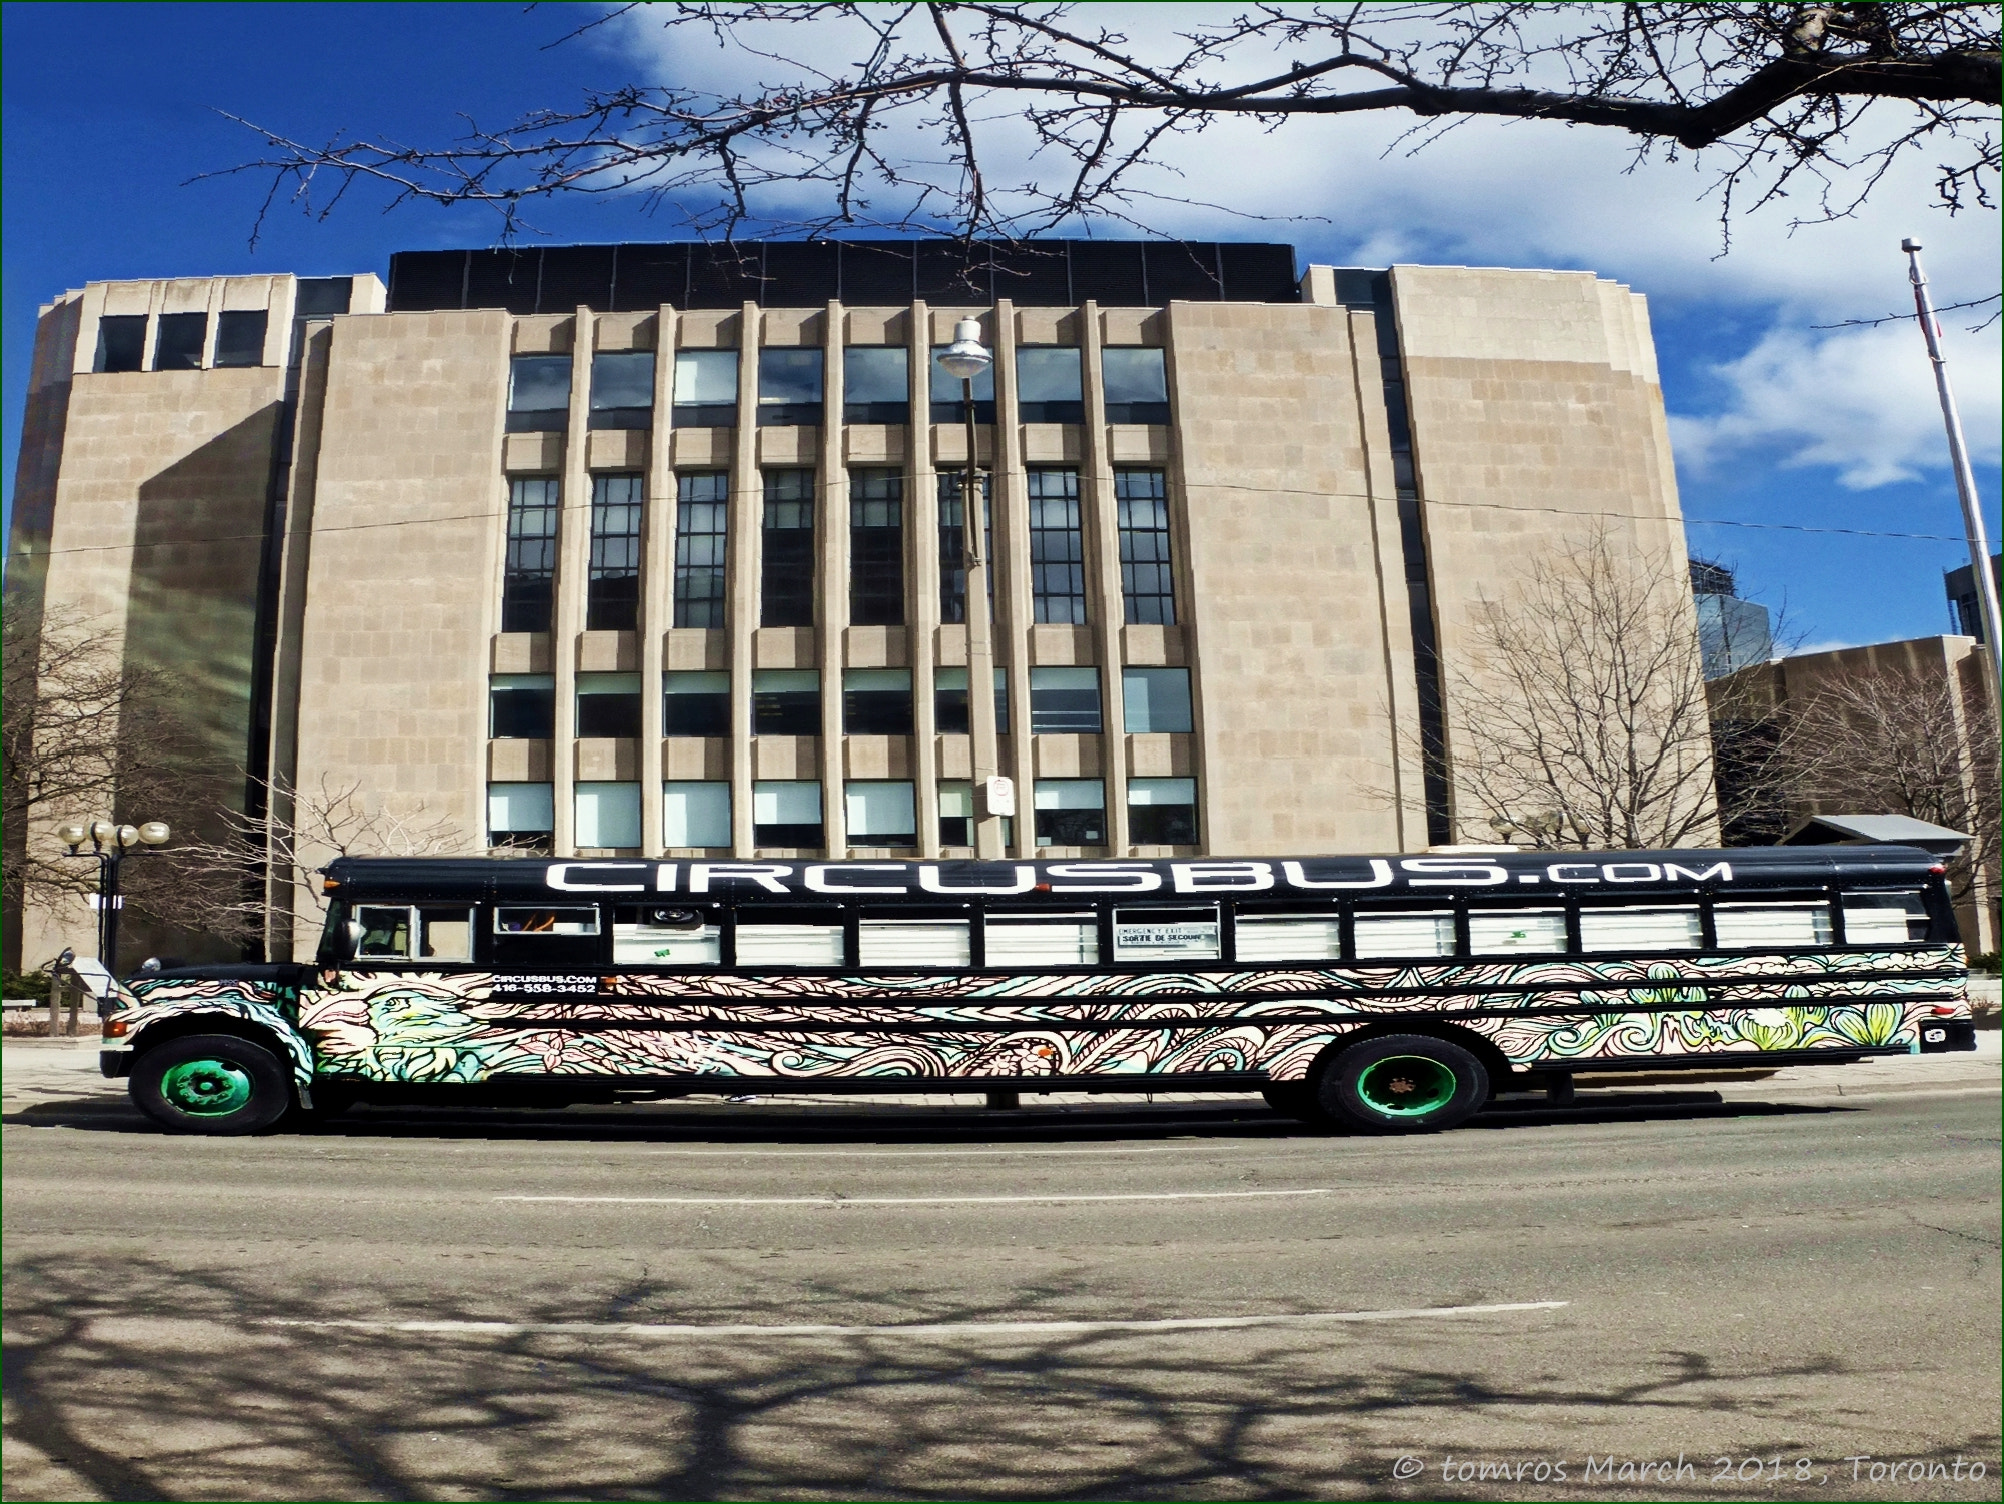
(922, 545)
(657, 579)
(741, 574)
(832, 555)
(1105, 603)
(1013, 609)
(573, 568)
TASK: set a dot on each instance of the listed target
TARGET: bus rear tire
(1403, 1083)
(216, 1084)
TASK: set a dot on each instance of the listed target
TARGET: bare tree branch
(1789, 98)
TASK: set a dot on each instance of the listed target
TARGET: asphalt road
(1120, 1300)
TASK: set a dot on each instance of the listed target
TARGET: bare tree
(280, 855)
(900, 115)
(1577, 713)
(1892, 741)
(88, 732)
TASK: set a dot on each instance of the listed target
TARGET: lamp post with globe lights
(967, 358)
(110, 844)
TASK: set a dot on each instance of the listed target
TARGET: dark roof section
(859, 273)
(586, 880)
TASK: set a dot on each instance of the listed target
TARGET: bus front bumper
(116, 1063)
(1938, 1036)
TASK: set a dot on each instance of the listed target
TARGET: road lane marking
(906, 1200)
(918, 1329)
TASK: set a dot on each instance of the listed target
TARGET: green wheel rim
(1406, 1086)
(207, 1088)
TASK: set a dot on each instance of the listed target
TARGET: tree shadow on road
(143, 1381)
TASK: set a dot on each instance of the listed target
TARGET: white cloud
(1861, 401)
(1537, 194)
(1496, 192)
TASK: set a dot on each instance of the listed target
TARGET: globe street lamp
(967, 358)
(110, 843)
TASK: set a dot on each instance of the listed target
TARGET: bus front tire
(211, 1083)
(1403, 1083)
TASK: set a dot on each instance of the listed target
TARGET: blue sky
(109, 109)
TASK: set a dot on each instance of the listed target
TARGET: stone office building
(657, 548)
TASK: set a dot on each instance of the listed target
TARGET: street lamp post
(1958, 454)
(109, 845)
(967, 358)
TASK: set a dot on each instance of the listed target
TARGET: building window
(1155, 699)
(699, 549)
(786, 702)
(612, 602)
(696, 703)
(956, 817)
(1048, 388)
(953, 544)
(956, 814)
(876, 548)
(1147, 580)
(880, 814)
(121, 342)
(1071, 812)
(519, 815)
(240, 338)
(789, 388)
(877, 701)
(522, 706)
(622, 389)
(539, 393)
(608, 816)
(531, 567)
(786, 552)
(1064, 700)
(608, 705)
(1136, 386)
(1057, 547)
(695, 815)
(949, 701)
(1162, 811)
(949, 405)
(177, 341)
(706, 389)
(876, 384)
(786, 814)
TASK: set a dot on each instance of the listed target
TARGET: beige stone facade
(1343, 475)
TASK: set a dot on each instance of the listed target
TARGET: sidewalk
(34, 1071)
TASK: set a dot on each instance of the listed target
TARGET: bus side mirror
(351, 940)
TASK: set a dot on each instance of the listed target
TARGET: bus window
(815, 942)
(1411, 934)
(1165, 934)
(510, 921)
(665, 937)
(1289, 937)
(1639, 929)
(1884, 918)
(385, 931)
(1771, 926)
(1502, 932)
(445, 934)
(1042, 939)
(915, 942)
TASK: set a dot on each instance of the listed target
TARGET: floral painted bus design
(1390, 993)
